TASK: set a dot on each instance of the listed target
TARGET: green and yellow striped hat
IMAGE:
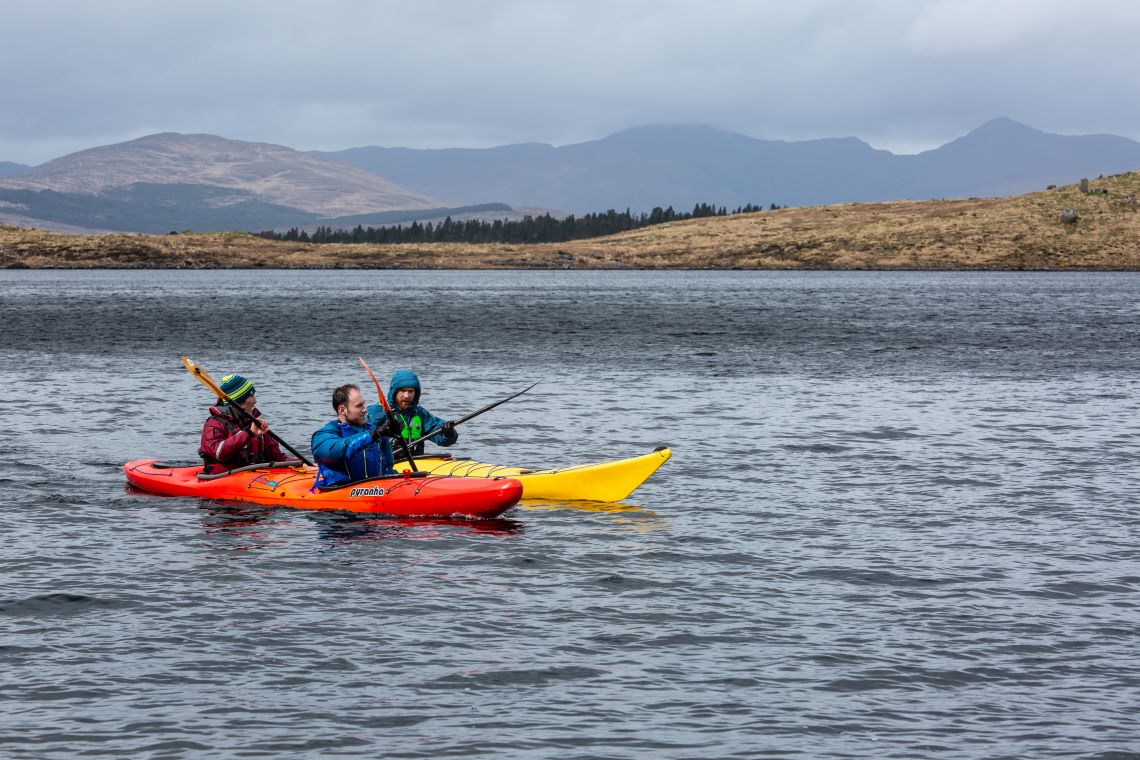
(237, 387)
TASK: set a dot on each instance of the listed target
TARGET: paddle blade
(407, 452)
(379, 392)
(202, 376)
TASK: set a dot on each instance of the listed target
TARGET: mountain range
(176, 182)
(684, 165)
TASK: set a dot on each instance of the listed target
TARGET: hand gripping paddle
(204, 378)
(404, 448)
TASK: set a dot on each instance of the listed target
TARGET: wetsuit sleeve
(329, 447)
(218, 444)
(375, 415)
(386, 457)
(211, 437)
(431, 422)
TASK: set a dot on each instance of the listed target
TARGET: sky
(903, 75)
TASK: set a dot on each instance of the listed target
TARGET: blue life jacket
(346, 453)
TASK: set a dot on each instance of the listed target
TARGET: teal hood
(403, 378)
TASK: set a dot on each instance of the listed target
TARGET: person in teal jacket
(350, 448)
(414, 421)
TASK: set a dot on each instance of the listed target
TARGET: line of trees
(530, 229)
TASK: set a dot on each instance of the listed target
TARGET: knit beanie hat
(237, 387)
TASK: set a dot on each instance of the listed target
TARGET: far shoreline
(1018, 234)
(679, 270)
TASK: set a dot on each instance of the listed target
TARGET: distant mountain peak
(681, 131)
(679, 128)
(272, 173)
(9, 169)
(1003, 124)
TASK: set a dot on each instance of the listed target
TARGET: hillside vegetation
(1022, 232)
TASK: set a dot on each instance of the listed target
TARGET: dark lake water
(900, 520)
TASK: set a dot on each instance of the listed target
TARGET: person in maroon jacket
(229, 438)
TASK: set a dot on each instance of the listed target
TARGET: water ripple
(899, 521)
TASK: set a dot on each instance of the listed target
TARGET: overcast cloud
(904, 75)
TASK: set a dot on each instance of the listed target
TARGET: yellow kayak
(604, 481)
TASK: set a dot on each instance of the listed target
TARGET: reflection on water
(251, 526)
(619, 515)
(238, 526)
(352, 527)
(539, 505)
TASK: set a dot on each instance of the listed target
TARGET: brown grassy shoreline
(1018, 233)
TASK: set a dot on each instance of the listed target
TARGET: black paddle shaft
(474, 414)
(203, 377)
(249, 417)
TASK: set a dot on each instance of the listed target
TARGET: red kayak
(279, 484)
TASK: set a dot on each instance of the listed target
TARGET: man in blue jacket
(351, 448)
(413, 419)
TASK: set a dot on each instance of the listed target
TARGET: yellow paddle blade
(203, 377)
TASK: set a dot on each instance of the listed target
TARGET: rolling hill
(9, 169)
(203, 182)
(1024, 232)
